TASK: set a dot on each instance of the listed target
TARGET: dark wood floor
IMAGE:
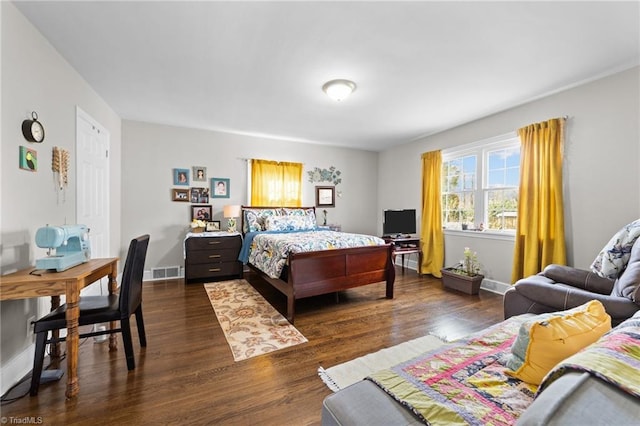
(186, 374)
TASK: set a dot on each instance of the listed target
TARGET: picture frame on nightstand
(213, 226)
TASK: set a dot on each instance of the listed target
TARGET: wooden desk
(23, 285)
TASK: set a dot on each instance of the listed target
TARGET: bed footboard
(329, 271)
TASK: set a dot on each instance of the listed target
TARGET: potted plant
(465, 276)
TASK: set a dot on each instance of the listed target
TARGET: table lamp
(230, 213)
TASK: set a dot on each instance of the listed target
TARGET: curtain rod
(277, 161)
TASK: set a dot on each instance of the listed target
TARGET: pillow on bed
(289, 223)
(288, 211)
(547, 339)
(254, 219)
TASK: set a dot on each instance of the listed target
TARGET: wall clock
(33, 130)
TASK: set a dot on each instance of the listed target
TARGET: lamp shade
(339, 90)
(231, 211)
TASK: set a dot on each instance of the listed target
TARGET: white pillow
(613, 258)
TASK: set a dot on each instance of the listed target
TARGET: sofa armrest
(579, 278)
(562, 297)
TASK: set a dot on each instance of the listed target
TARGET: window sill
(487, 234)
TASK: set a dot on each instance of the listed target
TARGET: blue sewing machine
(71, 245)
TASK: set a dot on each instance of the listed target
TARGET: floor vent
(166, 273)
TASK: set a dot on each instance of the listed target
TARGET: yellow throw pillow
(547, 339)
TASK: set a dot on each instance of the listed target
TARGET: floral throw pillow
(254, 219)
(613, 258)
(289, 223)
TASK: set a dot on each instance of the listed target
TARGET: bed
(319, 271)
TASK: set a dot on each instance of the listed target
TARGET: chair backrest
(131, 285)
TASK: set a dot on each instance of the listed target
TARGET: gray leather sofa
(573, 399)
(559, 288)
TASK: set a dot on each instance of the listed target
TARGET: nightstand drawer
(213, 270)
(212, 256)
(213, 243)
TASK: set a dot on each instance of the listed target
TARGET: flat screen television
(399, 222)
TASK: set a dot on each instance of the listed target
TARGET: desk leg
(55, 347)
(420, 263)
(113, 288)
(72, 315)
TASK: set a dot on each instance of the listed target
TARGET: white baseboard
(493, 286)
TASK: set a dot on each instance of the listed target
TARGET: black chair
(101, 309)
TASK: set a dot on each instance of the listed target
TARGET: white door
(92, 187)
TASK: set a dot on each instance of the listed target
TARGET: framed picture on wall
(201, 212)
(220, 188)
(200, 195)
(199, 174)
(325, 196)
(180, 194)
(28, 159)
(181, 177)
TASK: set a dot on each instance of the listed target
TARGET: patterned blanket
(269, 251)
(463, 382)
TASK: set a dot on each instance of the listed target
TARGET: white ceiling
(258, 67)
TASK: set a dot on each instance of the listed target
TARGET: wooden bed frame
(329, 271)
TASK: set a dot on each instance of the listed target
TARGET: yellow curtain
(431, 234)
(277, 184)
(540, 227)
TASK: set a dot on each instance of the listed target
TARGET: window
(480, 185)
(274, 183)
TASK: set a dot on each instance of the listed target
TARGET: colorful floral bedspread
(614, 358)
(463, 382)
(269, 251)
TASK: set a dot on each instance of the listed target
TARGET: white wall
(152, 151)
(602, 184)
(36, 77)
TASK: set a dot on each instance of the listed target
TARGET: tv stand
(405, 244)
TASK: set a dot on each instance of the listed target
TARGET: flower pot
(465, 283)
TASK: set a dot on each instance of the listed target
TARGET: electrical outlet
(30, 332)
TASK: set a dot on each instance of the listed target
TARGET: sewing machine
(71, 245)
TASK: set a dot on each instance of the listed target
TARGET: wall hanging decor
(179, 194)
(199, 195)
(181, 177)
(33, 130)
(220, 188)
(60, 167)
(199, 174)
(28, 159)
(202, 212)
(325, 175)
(325, 196)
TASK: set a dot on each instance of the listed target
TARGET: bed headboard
(252, 217)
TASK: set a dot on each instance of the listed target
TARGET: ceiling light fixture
(339, 90)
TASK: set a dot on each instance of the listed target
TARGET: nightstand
(212, 256)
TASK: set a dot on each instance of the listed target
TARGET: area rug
(350, 372)
(250, 324)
